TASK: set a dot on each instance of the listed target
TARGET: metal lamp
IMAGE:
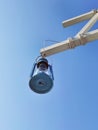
(41, 80)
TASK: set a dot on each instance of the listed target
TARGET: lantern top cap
(42, 60)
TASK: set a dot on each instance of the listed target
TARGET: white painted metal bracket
(81, 38)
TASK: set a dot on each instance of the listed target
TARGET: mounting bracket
(81, 38)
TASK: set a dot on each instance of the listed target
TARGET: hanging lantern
(42, 76)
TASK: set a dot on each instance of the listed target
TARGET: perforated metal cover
(41, 83)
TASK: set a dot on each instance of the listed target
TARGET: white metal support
(81, 38)
(88, 26)
(79, 18)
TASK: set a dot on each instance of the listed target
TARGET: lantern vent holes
(41, 82)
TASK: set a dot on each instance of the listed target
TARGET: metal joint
(83, 39)
(71, 43)
(95, 11)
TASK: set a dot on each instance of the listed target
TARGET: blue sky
(72, 104)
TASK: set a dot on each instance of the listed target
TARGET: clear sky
(72, 104)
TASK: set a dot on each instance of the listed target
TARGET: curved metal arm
(51, 70)
(34, 65)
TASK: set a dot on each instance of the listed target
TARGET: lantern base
(41, 83)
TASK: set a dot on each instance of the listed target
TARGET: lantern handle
(38, 58)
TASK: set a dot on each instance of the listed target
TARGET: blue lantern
(41, 77)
